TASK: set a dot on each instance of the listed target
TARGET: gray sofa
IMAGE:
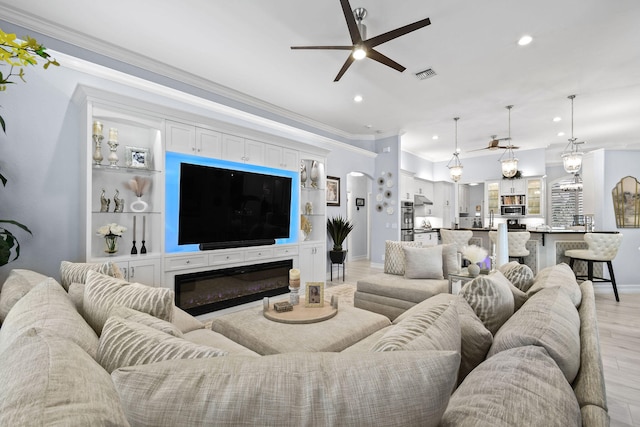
(152, 364)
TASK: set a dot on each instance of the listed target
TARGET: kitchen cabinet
(406, 185)
(429, 238)
(513, 186)
(442, 201)
(463, 198)
(238, 149)
(535, 196)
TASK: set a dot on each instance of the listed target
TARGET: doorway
(359, 193)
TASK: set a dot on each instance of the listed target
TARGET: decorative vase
(139, 205)
(111, 243)
(315, 174)
(303, 174)
(473, 269)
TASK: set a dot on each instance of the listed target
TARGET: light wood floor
(619, 325)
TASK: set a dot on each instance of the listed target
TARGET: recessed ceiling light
(525, 40)
(434, 137)
(356, 174)
(557, 119)
(357, 98)
(368, 126)
(560, 133)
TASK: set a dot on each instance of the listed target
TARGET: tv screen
(225, 208)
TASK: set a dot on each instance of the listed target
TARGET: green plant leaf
(16, 223)
(3, 179)
(4, 127)
(338, 229)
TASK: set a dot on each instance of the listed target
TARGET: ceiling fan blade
(354, 32)
(478, 149)
(344, 68)
(377, 56)
(382, 38)
(323, 47)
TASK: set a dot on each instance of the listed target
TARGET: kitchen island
(546, 247)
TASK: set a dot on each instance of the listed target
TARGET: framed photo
(359, 201)
(314, 294)
(333, 191)
(139, 158)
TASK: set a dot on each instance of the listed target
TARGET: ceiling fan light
(572, 161)
(359, 53)
(509, 167)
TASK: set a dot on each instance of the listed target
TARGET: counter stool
(460, 238)
(603, 247)
(517, 243)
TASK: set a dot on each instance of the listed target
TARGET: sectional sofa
(92, 349)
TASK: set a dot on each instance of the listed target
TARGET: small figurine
(104, 202)
(119, 203)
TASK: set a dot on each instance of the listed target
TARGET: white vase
(315, 174)
(473, 269)
(139, 205)
(303, 174)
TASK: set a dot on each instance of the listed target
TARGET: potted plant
(338, 229)
(17, 54)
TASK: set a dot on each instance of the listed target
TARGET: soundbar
(236, 244)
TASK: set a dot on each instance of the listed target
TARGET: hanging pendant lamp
(572, 159)
(510, 164)
(455, 169)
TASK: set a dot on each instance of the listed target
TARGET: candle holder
(294, 297)
(143, 248)
(134, 250)
(97, 152)
(113, 156)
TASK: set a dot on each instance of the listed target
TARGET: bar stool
(603, 247)
(460, 238)
(517, 243)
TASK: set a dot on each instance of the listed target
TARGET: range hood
(419, 200)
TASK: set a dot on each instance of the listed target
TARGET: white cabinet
(463, 198)
(238, 149)
(189, 139)
(535, 197)
(281, 157)
(442, 205)
(406, 185)
(513, 186)
(429, 238)
(313, 262)
(492, 197)
(147, 271)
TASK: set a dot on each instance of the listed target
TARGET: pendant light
(455, 170)
(572, 160)
(510, 164)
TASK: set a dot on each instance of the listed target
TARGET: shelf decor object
(626, 202)
(97, 139)
(134, 250)
(111, 232)
(118, 202)
(303, 174)
(104, 202)
(113, 146)
(138, 158)
(139, 185)
(294, 286)
(315, 174)
(143, 248)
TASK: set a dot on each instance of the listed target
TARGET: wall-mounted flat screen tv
(229, 208)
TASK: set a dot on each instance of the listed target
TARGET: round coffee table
(301, 314)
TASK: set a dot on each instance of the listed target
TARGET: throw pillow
(559, 275)
(476, 338)
(423, 263)
(71, 272)
(146, 319)
(548, 320)
(450, 261)
(491, 299)
(520, 275)
(518, 387)
(17, 285)
(126, 343)
(436, 328)
(50, 381)
(185, 322)
(399, 388)
(48, 307)
(76, 295)
(394, 256)
(103, 293)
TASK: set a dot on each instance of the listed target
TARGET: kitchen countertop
(538, 231)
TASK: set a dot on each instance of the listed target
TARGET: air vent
(423, 75)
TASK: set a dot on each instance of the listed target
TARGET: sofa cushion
(450, 261)
(125, 342)
(476, 338)
(50, 381)
(76, 295)
(398, 287)
(17, 285)
(559, 275)
(394, 256)
(397, 388)
(519, 387)
(207, 337)
(147, 320)
(71, 272)
(423, 263)
(184, 321)
(48, 307)
(491, 299)
(434, 328)
(549, 320)
(103, 293)
(520, 275)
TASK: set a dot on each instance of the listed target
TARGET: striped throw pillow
(76, 272)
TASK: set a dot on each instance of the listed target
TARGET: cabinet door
(492, 197)
(272, 156)
(290, 159)
(208, 143)
(254, 152)
(430, 239)
(181, 138)
(535, 196)
(232, 148)
(312, 263)
(145, 271)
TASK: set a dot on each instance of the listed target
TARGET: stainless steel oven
(512, 210)
(406, 218)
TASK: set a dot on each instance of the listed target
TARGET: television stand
(236, 244)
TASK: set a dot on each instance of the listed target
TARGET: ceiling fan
(363, 47)
(494, 144)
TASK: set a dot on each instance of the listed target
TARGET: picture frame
(359, 201)
(333, 191)
(314, 294)
(138, 158)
